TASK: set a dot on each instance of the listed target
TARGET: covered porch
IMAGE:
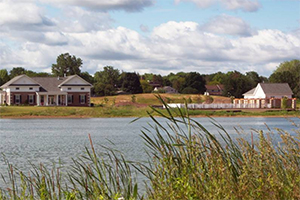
(2, 97)
(52, 99)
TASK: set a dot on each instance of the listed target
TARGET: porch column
(47, 100)
(57, 100)
(66, 99)
(38, 102)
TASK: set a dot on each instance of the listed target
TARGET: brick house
(46, 91)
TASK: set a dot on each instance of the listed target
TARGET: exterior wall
(24, 98)
(258, 94)
(75, 88)
(278, 96)
(264, 103)
(23, 88)
(76, 99)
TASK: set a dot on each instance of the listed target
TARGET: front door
(51, 101)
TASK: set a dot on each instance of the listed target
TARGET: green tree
(16, 71)
(86, 76)
(236, 84)
(215, 78)
(66, 65)
(4, 77)
(109, 75)
(108, 79)
(158, 79)
(131, 83)
(196, 81)
(147, 88)
(288, 72)
(253, 78)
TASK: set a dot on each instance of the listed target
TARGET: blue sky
(151, 36)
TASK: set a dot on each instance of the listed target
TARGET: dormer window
(30, 88)
(69, 88)
(82, 88)
(17, 88)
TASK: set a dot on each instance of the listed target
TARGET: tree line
(111, 81)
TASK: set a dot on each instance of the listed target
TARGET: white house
(269, 90)
(267, 95)
(46, 91)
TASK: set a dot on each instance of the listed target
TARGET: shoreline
(192, 116)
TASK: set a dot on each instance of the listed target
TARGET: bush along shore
(185, 161)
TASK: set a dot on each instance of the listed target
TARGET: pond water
(48, 140)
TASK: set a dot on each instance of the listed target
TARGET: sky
(151, 36)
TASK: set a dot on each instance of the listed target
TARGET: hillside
(143, 100)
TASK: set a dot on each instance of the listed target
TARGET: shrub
(189, 90)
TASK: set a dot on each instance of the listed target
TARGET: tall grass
(185, 161)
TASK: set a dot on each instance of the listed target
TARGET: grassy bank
(185, 161)
(132, 106)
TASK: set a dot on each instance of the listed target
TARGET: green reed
(185, 161)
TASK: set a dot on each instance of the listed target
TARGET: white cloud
(22, 15)
(172, 29)
(225, 24)
(245, 5)
(104, 5)
(199, 3)
(77, 19)
(172, 46)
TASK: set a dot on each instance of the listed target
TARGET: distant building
(267, 95)
(166, 89)
(214, 90)
(46, 91)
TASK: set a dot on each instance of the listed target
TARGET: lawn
(133, 106)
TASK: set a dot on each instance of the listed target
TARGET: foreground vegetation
(133, 106)
(185, 161)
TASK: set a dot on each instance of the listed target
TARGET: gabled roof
(250, 92)
(49, 84)
(276, 88)
(272, 88)
(71, 77)
(214, 87)
(15, 79)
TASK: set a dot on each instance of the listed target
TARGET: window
(82, 88)
(17, 88)
(70, 99)
(69, 88)
(30, 99)
(82, 99)
(30, 88)
(17, 99)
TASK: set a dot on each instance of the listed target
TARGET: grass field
(151, 99)
(132, 106)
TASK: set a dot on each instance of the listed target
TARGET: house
(214, 90)
(166, 89)
(267, 95)
(46, 91)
